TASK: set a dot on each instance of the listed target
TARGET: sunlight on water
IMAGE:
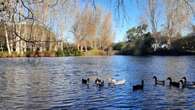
(55, 83)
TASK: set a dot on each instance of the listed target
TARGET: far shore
(114, 53)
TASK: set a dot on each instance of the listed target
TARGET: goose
(85, 81)
(99, 82)
(116, 82)
(175, 84)
(158, 82)
(139, 86)
(190, 85)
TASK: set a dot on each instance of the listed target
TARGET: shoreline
(99, 56)
(96, 54)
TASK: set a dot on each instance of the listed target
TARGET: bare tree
(93, 29)
(178, 16)
(52, 14)
(106, 34)
(152, 12)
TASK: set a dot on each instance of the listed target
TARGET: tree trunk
(18, 43)
(7, 40)
(78, 46)
(85, 46)
(81, 48)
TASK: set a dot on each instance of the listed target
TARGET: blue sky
(121, 25)
(133, 12)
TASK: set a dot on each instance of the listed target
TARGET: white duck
(116, 82)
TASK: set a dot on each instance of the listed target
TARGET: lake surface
(55, 83)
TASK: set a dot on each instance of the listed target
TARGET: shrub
(119, 46)
(59, 53)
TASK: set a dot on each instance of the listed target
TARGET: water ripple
(55, 83)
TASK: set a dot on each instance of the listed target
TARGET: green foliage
(131, 34)
(136, 32)
(119, 46)
(138, 41)
(95, 52)
(4, 54)
(59, 53)
(69, 51)
(185, 43)
(72, 52)
(143, 45)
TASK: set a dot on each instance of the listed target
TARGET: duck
(99, 83)
(190, 85)
(175, 84)
(185, 80)
(85, 81)
(139, 86)
(97, 80)
(116, 82)
(158, 82)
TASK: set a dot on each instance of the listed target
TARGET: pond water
(55, 83)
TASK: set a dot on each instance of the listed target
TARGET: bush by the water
(119, 46)
(138, 42)
(95, 52)
(139, 46)
(181, 46)
(59, 53)
(69, 52)
(185, 43)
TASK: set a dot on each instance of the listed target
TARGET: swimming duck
(85, 81)
(158, 82)
(99, 82)
(175, 84)
(116, 82)
(190, 85)
(139, 86)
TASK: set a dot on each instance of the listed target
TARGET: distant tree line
(140, 42)
(166, 20)
(92, 26)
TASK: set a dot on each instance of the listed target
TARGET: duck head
(184, 79)
(182, 83)
(97, 81)
(155, 78)
(169, 79)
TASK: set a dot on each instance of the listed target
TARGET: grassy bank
(59, 53)
(97, 52)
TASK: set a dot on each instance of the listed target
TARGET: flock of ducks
(100, 83)
(183, 83)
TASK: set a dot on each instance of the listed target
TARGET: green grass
(59, 53)
(95, 52)
(69, 52)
